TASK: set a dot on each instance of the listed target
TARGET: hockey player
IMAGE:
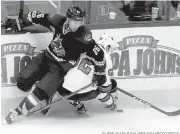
(71, 38)
(84, 72)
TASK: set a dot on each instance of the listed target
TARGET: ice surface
(64, 120)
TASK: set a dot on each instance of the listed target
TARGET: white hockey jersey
(82, 74)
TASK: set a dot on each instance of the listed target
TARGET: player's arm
(46, 20)
(95, 53)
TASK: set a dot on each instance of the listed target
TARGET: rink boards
(147, 62)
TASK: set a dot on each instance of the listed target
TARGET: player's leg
(34, 101)
(57, 71)
(80, 107)
(77, 99)
(32, 72)
(54, 79)
(41, 95)
(75, 102)
(106, 92)
(26, 78)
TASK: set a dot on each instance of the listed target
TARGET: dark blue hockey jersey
(67, 45)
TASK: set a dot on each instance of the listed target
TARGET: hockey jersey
(66, 46)
(81, 75)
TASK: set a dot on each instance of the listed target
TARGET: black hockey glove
(100, 79)
(13, 25)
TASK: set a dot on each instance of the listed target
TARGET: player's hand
(13, 25)
(100, 79)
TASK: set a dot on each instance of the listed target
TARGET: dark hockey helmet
(75, 13)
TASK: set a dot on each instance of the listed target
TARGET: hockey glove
(100, 79)
(13, 25)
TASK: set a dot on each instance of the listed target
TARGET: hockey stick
(174, 113)
(63, 98)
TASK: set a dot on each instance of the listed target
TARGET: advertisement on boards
(141, 56)
(17, 51)
(145, 55)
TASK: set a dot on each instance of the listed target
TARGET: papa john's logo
(141, 57)
(14, 57)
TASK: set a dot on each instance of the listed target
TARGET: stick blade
(175, 113)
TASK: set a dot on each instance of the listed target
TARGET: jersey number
(84, 66)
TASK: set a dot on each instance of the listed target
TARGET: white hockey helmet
(106, 42)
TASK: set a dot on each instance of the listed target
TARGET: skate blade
(81, 112)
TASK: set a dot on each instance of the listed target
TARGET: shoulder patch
(88, 37)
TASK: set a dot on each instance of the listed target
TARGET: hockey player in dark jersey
(71, 38)
(84, 72)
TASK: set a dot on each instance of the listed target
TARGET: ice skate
(80, 107)
(10, 117)
(113, 106)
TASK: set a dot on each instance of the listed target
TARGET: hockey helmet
(106, 42)
(75, 13)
